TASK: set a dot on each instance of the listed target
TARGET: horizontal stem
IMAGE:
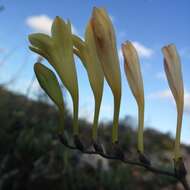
(135, 163)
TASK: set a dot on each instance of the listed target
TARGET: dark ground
(31, 157)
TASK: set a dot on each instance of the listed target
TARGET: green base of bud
(143, 159)
(118, 151)
(98, 147)
(78, 143)
(180, 169)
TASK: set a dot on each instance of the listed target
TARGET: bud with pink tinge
(134, 77)
(173, 72)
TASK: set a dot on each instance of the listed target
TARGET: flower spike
(172, 66)
(105, 42)
(134, 77)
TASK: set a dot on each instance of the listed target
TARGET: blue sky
(149, 24)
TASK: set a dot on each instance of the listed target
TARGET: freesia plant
(99, 56)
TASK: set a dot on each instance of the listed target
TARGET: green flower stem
(75, 117)
(177, 154)
(115, 120)
(140, 129)
(95, 123)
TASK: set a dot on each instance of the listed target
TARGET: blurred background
(31, 156)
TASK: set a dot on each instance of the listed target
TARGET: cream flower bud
(173, 72)
(105, 41)
(134, 77)
(86, 51)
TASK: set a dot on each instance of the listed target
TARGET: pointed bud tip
(58, 20)
(94, 9)
(97, 11)
(172, 45)
(126, 43)
(94, 12)
(38, 66)
(30, 47)
(30, 36)
(34, 37)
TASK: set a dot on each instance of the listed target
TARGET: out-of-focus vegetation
(31, 157)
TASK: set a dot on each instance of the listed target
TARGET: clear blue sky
(149, 24)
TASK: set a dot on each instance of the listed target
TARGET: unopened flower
(105, 41)
(172, 66)
(58, 50)
(50, 85)
(86, 51)
(134, 77)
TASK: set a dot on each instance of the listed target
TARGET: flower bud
(50, 85)
(134, 77)
(105, 42)
(173, 72)
(86, 51)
